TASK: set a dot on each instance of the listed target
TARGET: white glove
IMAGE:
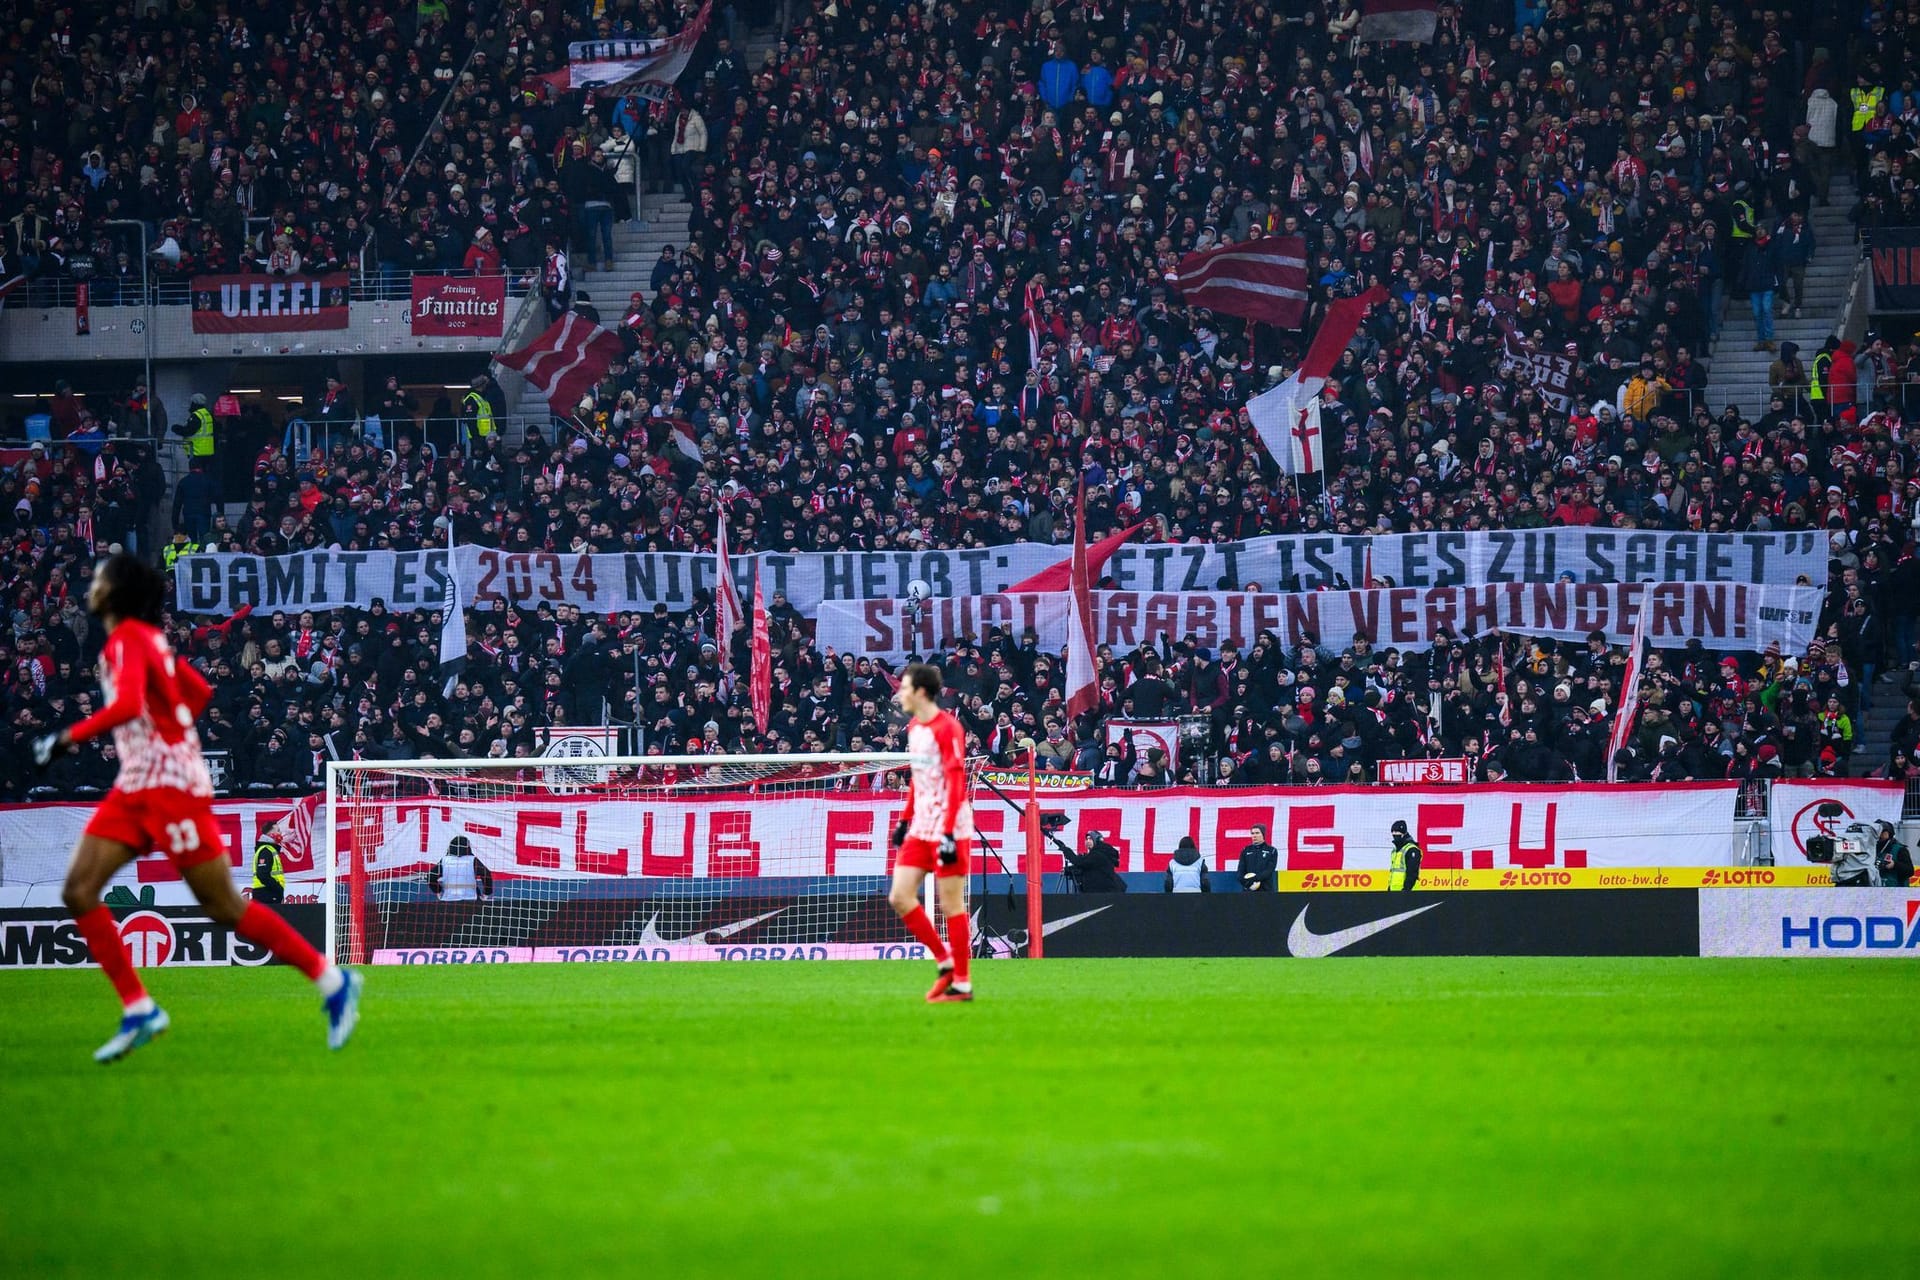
(45, 747)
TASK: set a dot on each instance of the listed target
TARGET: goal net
(645, 858)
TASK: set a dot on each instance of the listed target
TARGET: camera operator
(1097, 869)
(1893, 858)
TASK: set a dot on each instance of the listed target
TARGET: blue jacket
(1058, 80)
(1793, 248)
(1097, 84)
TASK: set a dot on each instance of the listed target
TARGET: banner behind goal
(646, 858)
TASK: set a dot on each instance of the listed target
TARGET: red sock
(957, 926)
(922, 928)
(103, 939)
(267, 928)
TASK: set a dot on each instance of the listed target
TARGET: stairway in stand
(1739, 373)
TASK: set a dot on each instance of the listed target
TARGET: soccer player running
(935, 834)
(162, 800)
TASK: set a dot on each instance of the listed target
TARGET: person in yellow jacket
(1864, 101)
(1404, 871)
(476, 415)
(1817, 383)
(199, 429)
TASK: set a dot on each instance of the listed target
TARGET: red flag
(726, 596)
(1264, 280)
(1629, 696)
(1083, 688)
(1059, 577)
(760, 676)
(566, 360)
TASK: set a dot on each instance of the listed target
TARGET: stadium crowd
(924, 293)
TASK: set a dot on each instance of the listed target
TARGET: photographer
(1097, 869)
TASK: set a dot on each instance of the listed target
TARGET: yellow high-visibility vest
(200, 439)
(482, 413)
(1866, 105)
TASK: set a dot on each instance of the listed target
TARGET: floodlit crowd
(924, 294)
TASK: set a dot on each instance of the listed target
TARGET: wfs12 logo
(38, 940)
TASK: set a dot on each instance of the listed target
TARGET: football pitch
(1159, 1118)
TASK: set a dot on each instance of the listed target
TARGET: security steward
(476, 414)
(1404, 871)
(269, 877)
(1259, 864)
(199, 430)
(1817, 384)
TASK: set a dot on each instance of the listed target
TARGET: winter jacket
(1823, 119)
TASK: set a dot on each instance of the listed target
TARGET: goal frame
(336, 770)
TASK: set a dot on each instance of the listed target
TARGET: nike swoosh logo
(650, 937)
(1308, 945)
(1058, 925)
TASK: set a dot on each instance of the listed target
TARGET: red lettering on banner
(1590, 607)
(1669, 603)
(1303, 615)
(879, 636)
(1233, 829)
(1159, 619)
(1203, 621)
(239, 853)
(525, 852)
(1710, 611)
(666, 864)
(1311, 842)
(1107, 823)
(1523, 855)
(1739, 611)
(1122, 617)
(1403, 623)
(731, 848)
(1442, 604)
(1266, 614)
(592, 862)
(1365, 608)
(1550, 605)
(1482, 610)
(851, 830)
(1434, 827)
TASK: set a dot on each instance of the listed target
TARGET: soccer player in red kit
(162, 800)
(935, 834)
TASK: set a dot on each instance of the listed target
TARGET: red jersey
(151, 701)
(937, 801)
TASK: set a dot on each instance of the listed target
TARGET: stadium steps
(1739, 373)
(635, 250)
(1873, 736)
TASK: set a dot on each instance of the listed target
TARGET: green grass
(1151, 1118)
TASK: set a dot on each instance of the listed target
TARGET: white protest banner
(612, 582)
(1794, 811)
(1148, 735)
(1720, 616)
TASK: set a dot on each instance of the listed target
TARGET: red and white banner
(1411, 20)
(459, 306)
(1263, 280)
(1794, 811)
(644, 67)
(1627, 709)
(566, 360)
(38, 841)
(1439, 771)
(269, 304)
(1149, 735)
(1720, 615)
(1489, 827)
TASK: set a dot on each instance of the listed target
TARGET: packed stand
(888, 214)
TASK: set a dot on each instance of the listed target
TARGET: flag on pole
(760, 676)
(647, 68)
(1629, 695)
(1059, 577)
(566, 360)
(681, 435)
(726, 597)
(1263, 280)
(1083, 688)
(453, 623)
(1287, 417)
(1413, 21)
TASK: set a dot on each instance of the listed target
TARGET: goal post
(709, 857)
